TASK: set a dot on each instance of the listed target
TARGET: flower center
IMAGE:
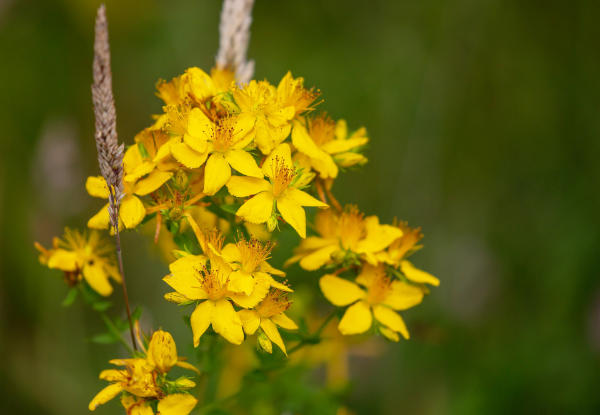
(213, 282)
(223, 138)
(379, 288)
(253, 253)
(322, 129)
(276, 302)
(281, 176)
(176, 120)
(351, 227)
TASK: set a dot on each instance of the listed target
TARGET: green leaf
(101, 305)
(70, 298)
(104, 338)
(230, 208)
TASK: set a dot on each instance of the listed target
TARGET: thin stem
(315, 335)
(124, 284)
(333, 200)
(320, 191)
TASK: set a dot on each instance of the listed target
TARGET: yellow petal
(162, 352)
(242, 133)
(257, 209)
(250, 320)
(216, 173)
(378, 236)
(96, 187)
(389, 334)
(199, 125)
(417, 275)
(284, 321)
(132, 211)
(305, 144)
(200, 319)
(105, 395)
(100, 220)
(340, 146)
(281, 154)
(241, 282)
(293, 214)
(227, 323)
(357, 319)
(403, 296)
(97, 279)
(113, 375)
(350, 159)
(302, 198)
(391, 319)
(140, 171)
(272, 333)
(231, 253)
(177, 404)
(132, 159)
(187, 284)
(63, 260)
(185, 365)
(261, 288)
(241, 186)
(338, 291)
(318, 258)
(244, 163)
(186, 156)
(154, 180)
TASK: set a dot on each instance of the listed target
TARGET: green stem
(315, 336)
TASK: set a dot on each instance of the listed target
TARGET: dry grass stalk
(234, 36)
(110, 153)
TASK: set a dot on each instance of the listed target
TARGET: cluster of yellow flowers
(211, 128)
(386, 281)
(253, 156)
(236, 274)
(144, 385)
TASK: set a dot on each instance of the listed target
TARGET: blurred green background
(484, 126)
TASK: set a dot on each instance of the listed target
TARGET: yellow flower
(141, 169)
(323, 145)
(269, 314)
(85, 256)
(380, 297)
(132, 210)
(347, 233)
(402, 247)
(270, 118)
(142, 381)
(248, 259)
(291, 92)
(202, 87)
(172, 92)
(279, 193)
(192, 280)
(188, 144)
(226, 140)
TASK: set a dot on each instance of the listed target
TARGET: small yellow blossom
(270, 119)
(278, 194)
(141, 381)
(248, 259)
(192, 280)
(402, 247)
(346, 233)
(141, 168)
(380, 297)
(269, 314)
(82, 256)
(132, 210)
(226, 140)
(291, 92)
(323, 145)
